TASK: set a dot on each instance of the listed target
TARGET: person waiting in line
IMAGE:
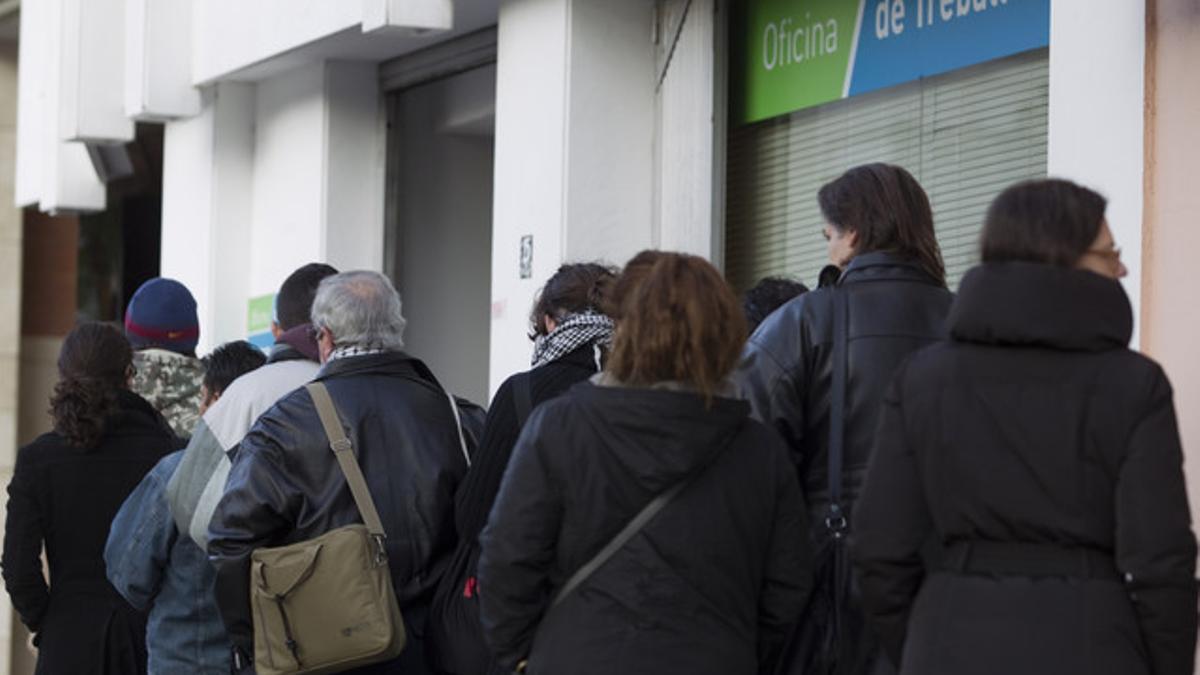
(714, 581)
(571, 335)
(199, 480)
(162, 325)
(768, 295)
(890, 299)
(66, 487)
(224, 365)
(1044, 454)
(163, 573)
(285, 485)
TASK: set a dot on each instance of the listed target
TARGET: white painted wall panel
(354, 162)
(33, 63)
(610, 117)
(1097, 62)
(289, 197)
(686, 137)
(91, 79)
(207, 188)
(530, 160)
(407, 16)
(233, 34)
(158, 60)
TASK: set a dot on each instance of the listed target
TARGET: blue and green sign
(792, 54)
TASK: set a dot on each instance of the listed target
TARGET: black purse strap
(835, 518)
(632, 528)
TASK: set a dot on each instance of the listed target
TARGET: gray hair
(360, 309)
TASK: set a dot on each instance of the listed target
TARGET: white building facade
(469, 147)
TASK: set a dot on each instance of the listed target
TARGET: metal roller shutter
(965, 136)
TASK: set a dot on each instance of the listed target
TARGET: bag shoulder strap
(835, 519)
(462, 439)
(631, 528)
(523, 397)
(344, 453)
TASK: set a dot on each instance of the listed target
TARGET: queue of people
(875, 476)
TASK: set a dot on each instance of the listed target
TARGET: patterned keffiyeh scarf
(348, 351)
(573, 332)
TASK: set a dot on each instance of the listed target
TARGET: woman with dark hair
(571, 335)
(646, 523)
(67, 486)
(816, 369)
(1044, 456)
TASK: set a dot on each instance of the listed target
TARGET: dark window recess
(119, 248)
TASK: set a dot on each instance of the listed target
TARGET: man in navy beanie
(162, 325)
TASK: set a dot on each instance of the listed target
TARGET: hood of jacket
(1030, 304)
(295, 343)
(659, 435)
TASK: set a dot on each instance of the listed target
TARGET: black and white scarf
(571, 333)
(352, 350)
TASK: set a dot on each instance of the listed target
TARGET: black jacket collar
(1018, 303)
(135, 415)
(285, 352)
(882, 265)
(393, 364)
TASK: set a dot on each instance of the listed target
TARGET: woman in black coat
(67, 486)
(892, 299)
(571, 335)
(714, 582)
(1044, 456)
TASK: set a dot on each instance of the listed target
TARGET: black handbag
(454, 635)
(832, 638)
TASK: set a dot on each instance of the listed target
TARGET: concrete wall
(10, 298)
(1171, 324)
(1097, 59)
(444, 225)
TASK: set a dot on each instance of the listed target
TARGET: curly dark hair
(768, 295)
(574, 288)
(93, 366)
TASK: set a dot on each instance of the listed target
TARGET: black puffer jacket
(711, 585)
(285, 485)
(1045, 457)
(786, 372)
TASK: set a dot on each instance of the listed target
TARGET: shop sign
(793, 54)
(260, 312)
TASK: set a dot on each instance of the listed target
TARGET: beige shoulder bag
(326, 605)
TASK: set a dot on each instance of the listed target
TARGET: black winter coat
(1032, 438)
(893, 309)
(65, 498)
(285, 486)
(786, 370)
(478, 491)
(712, 585)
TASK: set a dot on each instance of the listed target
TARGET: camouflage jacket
(171, 383)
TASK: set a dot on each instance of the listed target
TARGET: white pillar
(574, 149)
(267, 178)
(1096, 125)
(208, 168)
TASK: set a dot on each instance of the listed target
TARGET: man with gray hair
(285, 486)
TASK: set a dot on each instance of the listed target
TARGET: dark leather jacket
(786, 371)
(285, 485)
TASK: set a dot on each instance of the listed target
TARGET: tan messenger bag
(327, 605)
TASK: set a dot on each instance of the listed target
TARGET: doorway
(439, 234)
